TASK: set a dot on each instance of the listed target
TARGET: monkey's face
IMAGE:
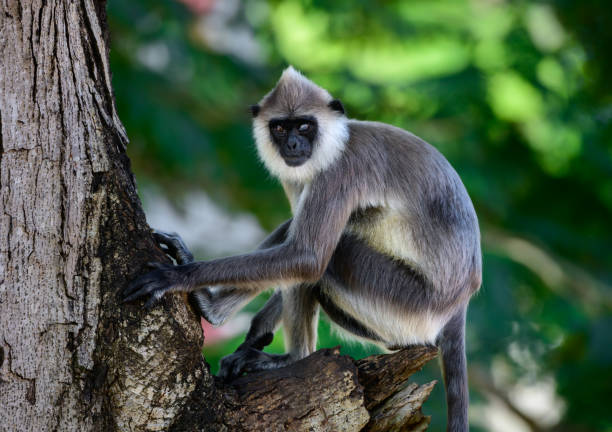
(294, 138)
(299, 128)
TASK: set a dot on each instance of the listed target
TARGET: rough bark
(323, 392)
(72, 233)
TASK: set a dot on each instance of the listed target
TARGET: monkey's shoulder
(374, 149)
(373, 132)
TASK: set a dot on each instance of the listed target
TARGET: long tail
(454, 370)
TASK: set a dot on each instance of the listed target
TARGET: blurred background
(516, 94)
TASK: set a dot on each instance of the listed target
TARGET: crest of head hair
(295, 94)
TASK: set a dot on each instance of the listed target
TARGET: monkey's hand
(174, 246)
(249, 357)
(164, 278)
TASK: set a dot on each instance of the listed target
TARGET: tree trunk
(72, 233)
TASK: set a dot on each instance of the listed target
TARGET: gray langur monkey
(383, 237)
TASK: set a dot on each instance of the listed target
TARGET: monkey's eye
(279, 129)
(304, 127)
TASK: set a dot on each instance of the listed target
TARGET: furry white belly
(394, 327)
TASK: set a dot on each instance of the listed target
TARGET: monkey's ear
(336, 105)
(254, 110)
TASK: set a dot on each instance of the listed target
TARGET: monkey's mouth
(295, 161)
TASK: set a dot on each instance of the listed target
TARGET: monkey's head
(299, 128)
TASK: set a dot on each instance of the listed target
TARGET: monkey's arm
(176, 248)
(263, 324)
(217, 304)
(313, 235)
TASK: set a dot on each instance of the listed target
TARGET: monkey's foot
(250, 360)
(215, 312)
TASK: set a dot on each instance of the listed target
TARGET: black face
(294, 138)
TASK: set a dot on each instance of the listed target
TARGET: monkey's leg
(260, 335)
(217, 304)
(411, 311)
(300, 313)
(300, 319)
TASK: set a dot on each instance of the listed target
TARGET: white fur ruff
(333, 134)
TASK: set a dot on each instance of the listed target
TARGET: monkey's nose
(292, 143)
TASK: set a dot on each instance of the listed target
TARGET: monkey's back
(413, 205)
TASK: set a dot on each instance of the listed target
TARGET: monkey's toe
(248, 360)
(231, 366)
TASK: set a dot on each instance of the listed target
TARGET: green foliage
(515, 94)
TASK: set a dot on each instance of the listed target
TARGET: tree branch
(325, 391)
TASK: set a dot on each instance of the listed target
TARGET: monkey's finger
(156, 265)
(252, 365)
(223, 373)
(161, 233)
(223, 370)
(153, 299)
(140, 281)
(175, 245)
(140, 293)
(184, 257)
(167, 239)
(143, 289)
(131, 288)
(253, 360)
(163, 237)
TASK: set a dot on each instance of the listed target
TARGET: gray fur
(300, 318)
(383, 235)
(454, 370)
(343, 319)
(293, 96)
(218, 304)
